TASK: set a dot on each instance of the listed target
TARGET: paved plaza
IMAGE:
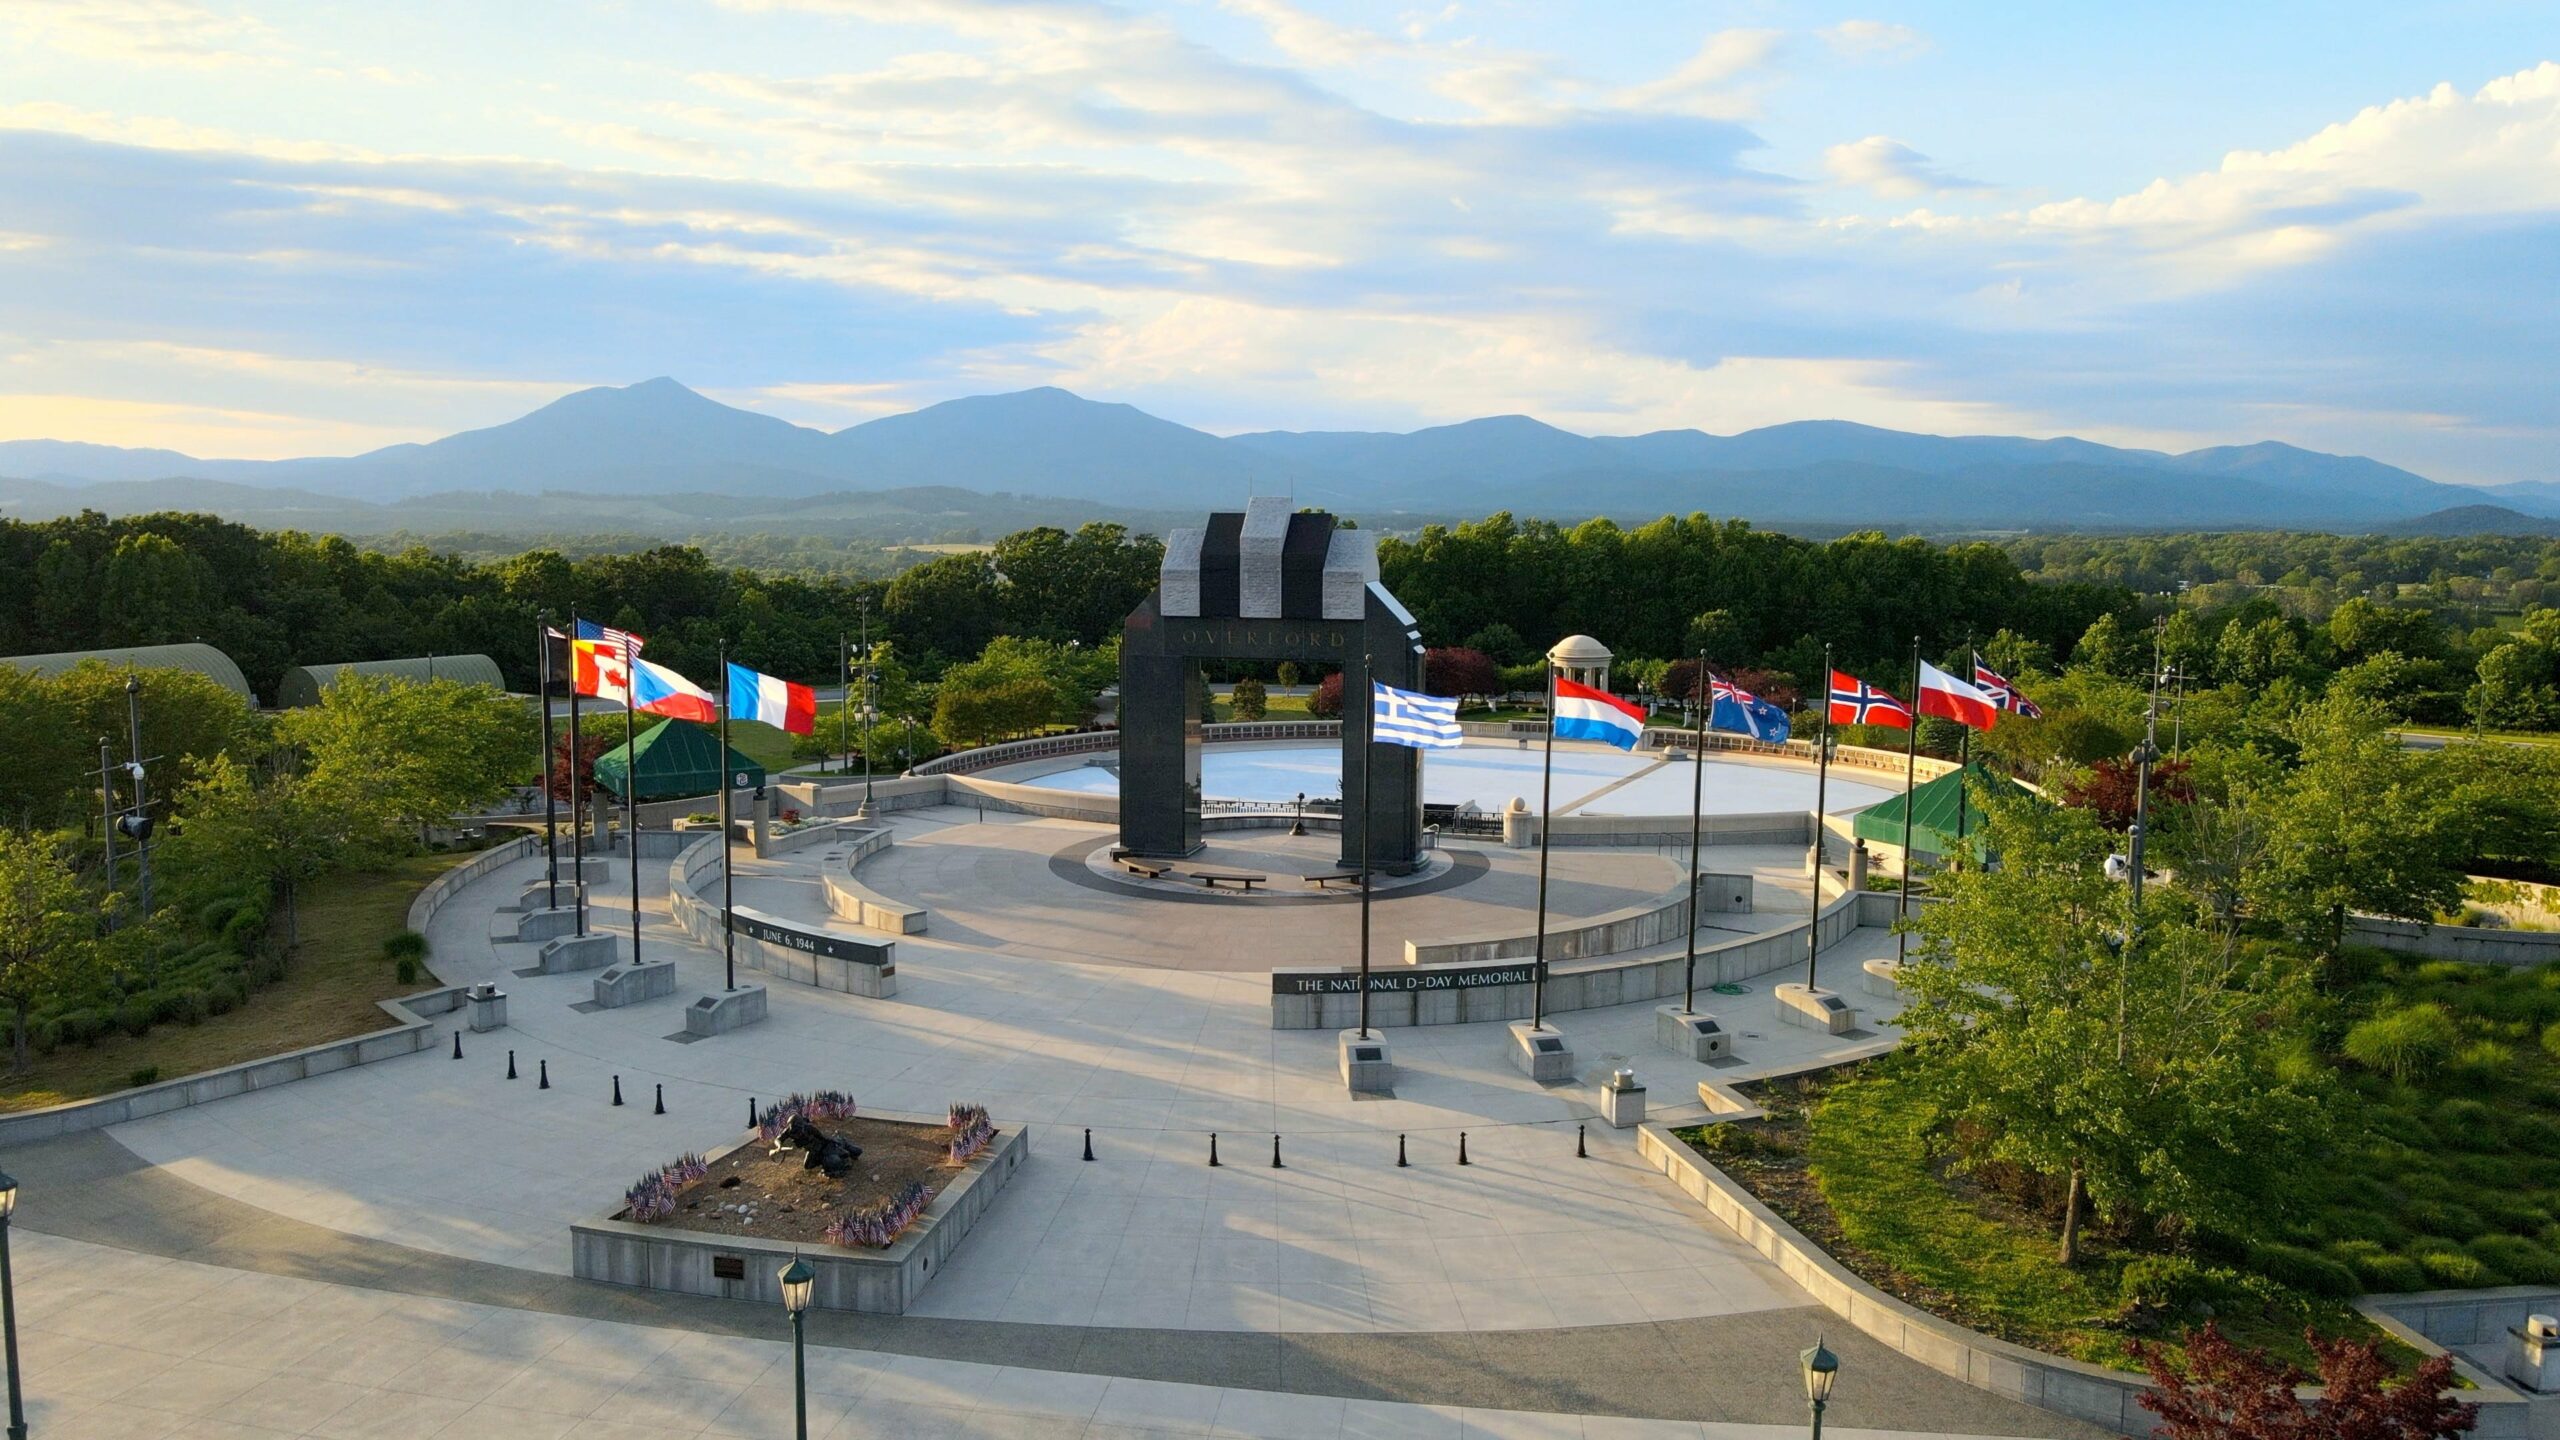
(429, 1198)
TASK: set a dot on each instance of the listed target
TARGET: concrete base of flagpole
(1367, 1067)
(1541, 1052)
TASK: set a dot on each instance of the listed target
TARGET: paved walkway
(415, 1211)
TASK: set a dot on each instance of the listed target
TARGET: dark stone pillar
(1159, 746)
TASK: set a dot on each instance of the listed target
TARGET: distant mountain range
(677, 457)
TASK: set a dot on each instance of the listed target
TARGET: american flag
(621, 642)
(2002, 693)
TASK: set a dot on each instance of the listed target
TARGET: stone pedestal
(487, 1005)
(1622, 1100)
(570, 953)
(630, 984)
(1691, 1034)
(1723, 894)
(1541, 1053)
(1858, 868)
(1821, 1010)
(547, 924)
(1883, 978)
(1367, 1068)
(726, 1010)
(537, 894)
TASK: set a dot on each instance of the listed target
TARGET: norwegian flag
(1855, 702)
(2002, 693)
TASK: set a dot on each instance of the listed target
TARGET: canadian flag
(1949, 698)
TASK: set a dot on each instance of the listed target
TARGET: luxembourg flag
(1949, 698)
(1583, 713)
(754, 695)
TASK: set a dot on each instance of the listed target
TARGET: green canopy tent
(1933, 821)
(676, 758)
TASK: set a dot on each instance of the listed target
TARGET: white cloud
(1888, 167)
(138, 32)
(1722, 81)
(1874, 39)
(1312, 38)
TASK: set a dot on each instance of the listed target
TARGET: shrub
(1251, 702)
(134, 1016)
(2482, 1064)
(81, 1027)
(2436, 1218)
(2405, 1042)
(2551, 1037)
(2307, 1271)
(147, 1075)
(2345, 1223)
(2166, 1284)
(44, 1036)
(2458, 1270)
(2516, 1257)
(405, 970)
(2383, 1270)
(405, 945)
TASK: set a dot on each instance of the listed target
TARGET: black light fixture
(9, 1310)
(1821, 1367)
(798, 1283)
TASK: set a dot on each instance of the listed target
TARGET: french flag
(754, 695)
(1583, 713)
(1949, 698)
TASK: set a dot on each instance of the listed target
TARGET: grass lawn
(1845, 1157)
(326, 994)
(771, 748)
(2510, 737)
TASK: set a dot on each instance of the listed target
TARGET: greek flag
(1421, 722)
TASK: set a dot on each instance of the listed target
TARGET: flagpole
(1698, 691)
(1910, 773)
(550, 802)
(1546, 828)
(844, 702)
(577, 803)
(870, 677)
(1964, 756)
(631, 779)
(1821, 784)
(728, 880)
(1368, 839)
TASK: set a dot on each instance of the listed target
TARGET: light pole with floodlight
(1820, 1368)
(798, 1280)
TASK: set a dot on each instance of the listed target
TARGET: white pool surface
(1490, 775)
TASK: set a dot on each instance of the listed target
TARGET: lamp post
(9, 1310)
(1299, 825)
(797, 1281)
(1820, 1368)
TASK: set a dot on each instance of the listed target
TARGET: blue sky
(263, 229)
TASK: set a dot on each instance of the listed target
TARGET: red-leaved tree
(2225, 1392)
(2109, 786)
(1458, 672)
(1325, 703)
(581, 773)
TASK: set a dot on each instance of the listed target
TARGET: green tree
(48, 930)
(2356, 826)
(2147, 1079)
(411, 753)
(281, 833)
(1249, 700)
(2257, 654)
(2111, 647)
(1288, 673)
(155, 592)
(945, 609)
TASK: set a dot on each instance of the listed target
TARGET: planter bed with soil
(732, 1229)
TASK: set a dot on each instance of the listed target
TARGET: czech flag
(1949, 698)
(754, 695)
(649, 688)
(1583, 713)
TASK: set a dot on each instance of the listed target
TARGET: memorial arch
(1272, 583)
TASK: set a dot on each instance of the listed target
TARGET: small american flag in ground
(1420, 722)
(622, 642)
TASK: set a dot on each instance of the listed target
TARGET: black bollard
(1213, 1149)
(1581, 1150)
(617, 1089)
(457, 1044)
(662, 1101)
(1275, 1154)
(1400, 1160)
(546, 1075)
(751, 1112)
(1462, 1147)
(511, 1064)
(1088, 1142)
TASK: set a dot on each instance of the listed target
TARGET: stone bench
(1883, 978)
(1215, 878)
(571, 953)
(1347, 877)
(724, 1011)
(623, 985)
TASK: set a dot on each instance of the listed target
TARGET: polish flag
(1949, 698)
